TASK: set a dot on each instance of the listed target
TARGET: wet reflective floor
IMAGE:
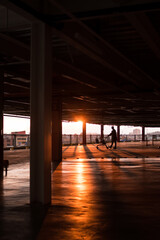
(114, 198)
(104, 199)
(18, 220)
(124, 150)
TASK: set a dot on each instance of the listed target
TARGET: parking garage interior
(97, 62)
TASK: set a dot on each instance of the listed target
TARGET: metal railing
(16, 140)
(23, 140)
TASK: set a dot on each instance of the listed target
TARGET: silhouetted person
(113, 135)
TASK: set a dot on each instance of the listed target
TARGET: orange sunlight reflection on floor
(80, 177)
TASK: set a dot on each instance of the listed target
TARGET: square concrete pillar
(102, 131)
(118, 133)
(143, 133)
(84, 133)
(56, 132)
(1, 123)
(41, 114)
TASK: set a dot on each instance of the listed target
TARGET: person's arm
(110, 134)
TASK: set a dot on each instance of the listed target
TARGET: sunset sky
(13, 124)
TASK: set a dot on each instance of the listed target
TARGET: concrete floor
(92, 197)
(18, 220)
(104, 199)
(124, 150)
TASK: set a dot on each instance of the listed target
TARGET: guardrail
(16, 141)
(13, 141)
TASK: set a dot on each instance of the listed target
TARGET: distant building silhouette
(135, 132)
(15, 139)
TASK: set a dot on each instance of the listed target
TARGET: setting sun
(80, 121)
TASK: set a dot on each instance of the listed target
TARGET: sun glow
(80, 122)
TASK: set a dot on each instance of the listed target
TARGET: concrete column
(1, 123)
(118, 133)
(84, 133)
(41, 114)
(56, 131)
(143, 133)
(70, 139)
(14, 140)
(90, 138)
(102, 131)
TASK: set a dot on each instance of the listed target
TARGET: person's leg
(111, 144)
(115, 146)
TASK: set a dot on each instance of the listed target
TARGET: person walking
(113, 135)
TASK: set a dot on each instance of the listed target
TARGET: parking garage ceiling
(106, 58)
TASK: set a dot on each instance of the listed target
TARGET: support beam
(41, 115)
(118, 133)
(102, 131)
(56, 132)
(1, 123)
(84, 133)
(12, 47)
(143, 133)
(113, 11)
(122, 65)
(143, 25)
(20, 8)
(86, 78)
